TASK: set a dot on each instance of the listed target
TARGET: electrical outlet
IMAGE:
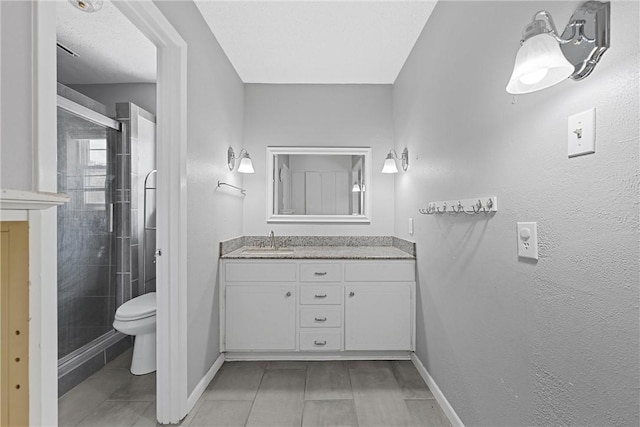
(528, 240)
(410, 226)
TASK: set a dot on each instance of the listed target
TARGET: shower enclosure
(98, 234)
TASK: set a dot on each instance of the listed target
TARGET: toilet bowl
(137, 317)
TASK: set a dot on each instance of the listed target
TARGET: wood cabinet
(317, 306)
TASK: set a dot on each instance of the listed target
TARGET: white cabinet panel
(378, 317)
(380, 271)
(248, 271)
(260, 317)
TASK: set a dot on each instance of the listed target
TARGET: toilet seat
(137, 308)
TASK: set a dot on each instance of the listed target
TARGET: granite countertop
(322, 252)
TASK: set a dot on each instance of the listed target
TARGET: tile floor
(353, 393)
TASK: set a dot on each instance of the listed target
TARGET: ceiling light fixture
(246, 165)
(89, 6)
(546, 58)
(390, 162)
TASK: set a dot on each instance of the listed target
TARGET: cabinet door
(378, 317)
(260, 317)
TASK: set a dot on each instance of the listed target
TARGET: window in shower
(86, 239)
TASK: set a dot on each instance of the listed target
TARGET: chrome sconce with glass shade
(390, 166)
(547, 58)
(245, 166)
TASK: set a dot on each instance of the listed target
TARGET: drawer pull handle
(320, 296)
(320, 342)
(352, 294)
(288, 294)
(321, 319)
(320, 273)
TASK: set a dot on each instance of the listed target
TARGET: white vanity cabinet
(324, 307)
(261, 317)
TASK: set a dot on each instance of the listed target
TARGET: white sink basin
(268, 251)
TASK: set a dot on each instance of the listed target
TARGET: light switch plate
(528, 240)
(581, 133)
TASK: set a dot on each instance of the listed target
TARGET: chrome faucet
(274, 241)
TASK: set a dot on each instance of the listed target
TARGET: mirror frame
(271, 177)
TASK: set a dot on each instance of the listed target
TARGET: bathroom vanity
(317, 302)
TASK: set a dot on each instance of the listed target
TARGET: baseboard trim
(204, 382)
(448, 410)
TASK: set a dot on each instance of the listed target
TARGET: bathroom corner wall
(318, 116)
(511, 342)
(214, 122)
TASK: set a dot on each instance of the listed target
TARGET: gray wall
(318, 115)
(141, 94)
(214, 121)
(16, 130)
(512, 342)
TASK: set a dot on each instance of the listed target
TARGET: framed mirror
(318, 184)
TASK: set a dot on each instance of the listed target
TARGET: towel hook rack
(475, 206)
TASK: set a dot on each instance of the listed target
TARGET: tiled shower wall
(137, 153)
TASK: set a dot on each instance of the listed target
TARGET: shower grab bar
(241, 190)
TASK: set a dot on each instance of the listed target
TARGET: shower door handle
(111, 213)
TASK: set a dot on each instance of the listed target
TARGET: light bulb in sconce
(357, 187)
(390, 166)
(246, 165)
(546, 57)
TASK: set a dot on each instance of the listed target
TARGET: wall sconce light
(246, 166)
(546, 58)
(357, 187)
(390, 162)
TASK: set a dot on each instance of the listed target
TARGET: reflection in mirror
(318, 184)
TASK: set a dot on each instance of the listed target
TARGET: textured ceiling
(110, 47)
(317, 41)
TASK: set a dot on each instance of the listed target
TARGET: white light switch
(528, 240)
(581, 133)
(410, 226)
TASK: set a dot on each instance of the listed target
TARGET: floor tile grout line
(264, 370)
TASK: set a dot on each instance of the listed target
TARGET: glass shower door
(86, 238)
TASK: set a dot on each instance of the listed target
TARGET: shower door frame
(171, 314)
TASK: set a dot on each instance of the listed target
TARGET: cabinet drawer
(319, 340)
(260, 272)
(380, 271)
(312, 272)
(321, 294)
(320, 317)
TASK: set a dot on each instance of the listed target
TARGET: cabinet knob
(320, 342)
(288, 294)
(351, 294)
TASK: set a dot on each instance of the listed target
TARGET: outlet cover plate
(528, 240)
(581, 133)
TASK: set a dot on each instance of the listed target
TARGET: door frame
(171, 131)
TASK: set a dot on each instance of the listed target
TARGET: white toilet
(137, 317)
